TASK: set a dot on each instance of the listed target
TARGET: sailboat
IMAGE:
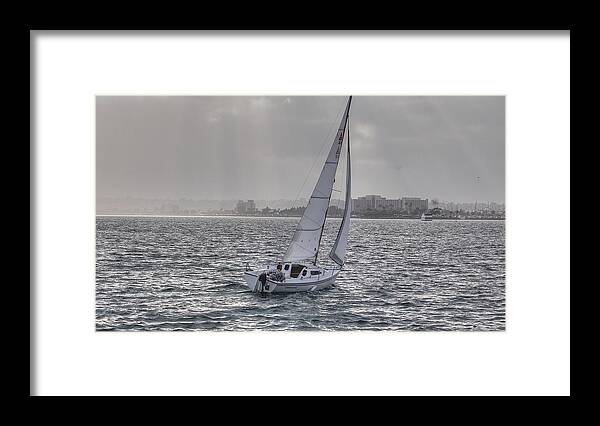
(299, 269)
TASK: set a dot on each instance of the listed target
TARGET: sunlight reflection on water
(185, 273)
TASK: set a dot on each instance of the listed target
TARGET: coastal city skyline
(139, 205)
(304, 199)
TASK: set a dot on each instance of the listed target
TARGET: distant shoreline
(286, 217)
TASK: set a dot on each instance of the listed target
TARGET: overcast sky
(263, 147)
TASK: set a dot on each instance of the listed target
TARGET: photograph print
(300, 213)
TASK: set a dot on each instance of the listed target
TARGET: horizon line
(291, 200)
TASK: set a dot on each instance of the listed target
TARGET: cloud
(263, 147)
(364, 130)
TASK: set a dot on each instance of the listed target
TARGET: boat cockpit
(297, 270)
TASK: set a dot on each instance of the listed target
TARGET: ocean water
(185, 273)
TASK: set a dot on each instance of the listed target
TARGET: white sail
(305, 243)
(338, 251)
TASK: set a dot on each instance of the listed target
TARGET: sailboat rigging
(299, 269)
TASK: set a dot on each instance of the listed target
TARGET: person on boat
(275, 275)
(262, 278)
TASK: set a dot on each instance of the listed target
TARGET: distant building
(412, 205)
(240, 207)
(377, 202)
(497, 207)
(368, 202)
(374, 202)
(245, 207)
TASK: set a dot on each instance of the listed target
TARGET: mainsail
(306, 240)
(338, 251)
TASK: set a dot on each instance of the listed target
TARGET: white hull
(290, 285)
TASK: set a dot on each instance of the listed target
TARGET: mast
(338, 251)
(329, 200)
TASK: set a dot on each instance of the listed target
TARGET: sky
(450, 148)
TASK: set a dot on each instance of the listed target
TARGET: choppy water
(185, 273)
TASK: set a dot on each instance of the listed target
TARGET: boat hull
(294, 287)
(251, 280)
(289, 285)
